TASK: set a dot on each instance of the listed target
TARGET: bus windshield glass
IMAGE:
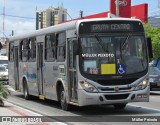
(117, 55)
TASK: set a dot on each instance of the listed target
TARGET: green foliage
(154, 33)
(4, 92)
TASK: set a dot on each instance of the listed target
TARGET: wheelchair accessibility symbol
(122, 69)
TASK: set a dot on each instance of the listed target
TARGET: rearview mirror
(75, 47)
(149, 45)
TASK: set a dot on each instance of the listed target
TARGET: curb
(154, 92)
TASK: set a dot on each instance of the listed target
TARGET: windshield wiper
(101, 43)
(123, 44)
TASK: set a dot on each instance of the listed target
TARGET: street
(88, 113)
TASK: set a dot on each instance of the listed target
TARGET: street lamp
(117, 8)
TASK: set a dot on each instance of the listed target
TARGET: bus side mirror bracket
(149, 46)
(75, 47)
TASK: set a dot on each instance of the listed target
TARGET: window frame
(25, 50)
(54, 43)
(32, 52)
(11, 51)
(62, 57)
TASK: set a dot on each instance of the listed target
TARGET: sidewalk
(154, 92)
(12, 114)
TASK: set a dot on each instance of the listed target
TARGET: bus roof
(108, 19)
(64, 26)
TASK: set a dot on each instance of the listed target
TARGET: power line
(18, 16)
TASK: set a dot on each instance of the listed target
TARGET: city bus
(83, 62)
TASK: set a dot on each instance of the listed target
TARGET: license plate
(142, 95)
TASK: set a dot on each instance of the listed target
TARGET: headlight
(88, 87)
(142, 85)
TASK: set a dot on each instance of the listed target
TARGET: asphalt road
(90, 114)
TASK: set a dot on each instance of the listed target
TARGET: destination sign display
(110, 27)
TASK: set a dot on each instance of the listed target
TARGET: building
(154, 21)
(125, 10)
(50, 17)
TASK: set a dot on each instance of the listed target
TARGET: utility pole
(3, 20)
(81, 14)
(12, 32)
(117, 8)
(159, 7)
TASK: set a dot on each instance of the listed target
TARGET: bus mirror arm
(76, 49)
(149, 45)
(38, 66)
(76, 52)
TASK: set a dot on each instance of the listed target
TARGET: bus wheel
(119, 106)
(64, 104)
(25, 90)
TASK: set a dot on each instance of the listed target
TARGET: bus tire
(64, 105)
(119, 106)
(25, 90)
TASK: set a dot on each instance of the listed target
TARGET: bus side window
(25, 50)
(11, 51)
(20, 50)
(61, 46)
(32, 49)
(50, 47)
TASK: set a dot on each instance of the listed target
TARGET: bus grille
(112, 89)
(116, 97)
(114, 82)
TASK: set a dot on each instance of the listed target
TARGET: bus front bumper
(86, 98)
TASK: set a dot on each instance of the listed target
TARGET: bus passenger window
(11, 52)
(50, 47)
(20, 50)
(32, 49)
(61, 46)
(25, 50)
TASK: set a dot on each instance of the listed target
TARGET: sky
(27, 8)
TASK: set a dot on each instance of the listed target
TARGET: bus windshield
(106, 55)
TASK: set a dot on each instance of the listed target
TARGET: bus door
(72, 84)
(40, 69)
(16, 67)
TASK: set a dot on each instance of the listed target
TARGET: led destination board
(110, 27)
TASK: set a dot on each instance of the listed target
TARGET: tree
(4, 92)
(154, 33)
